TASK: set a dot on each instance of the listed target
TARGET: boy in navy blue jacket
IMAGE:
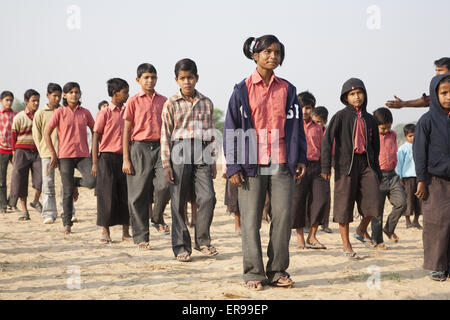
(431, 151)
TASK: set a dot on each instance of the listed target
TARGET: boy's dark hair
(261, 44)
(29, 93)
(6, 94)
(321, 112)
(102, 103)
(186, 65)
(115, 85)
(66, 89)
(383, 116)
(53, 87)
(145, 67)
(443, 62)
(306, 98)
(409, 128)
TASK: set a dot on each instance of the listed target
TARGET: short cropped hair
(6, 94)
(115, 85)
(383, 116)
(53, 87)
(409, 128)
(185, 65)
(29, 93)
(443, 62)
(306, 98)
(145, 67)
(321, 112)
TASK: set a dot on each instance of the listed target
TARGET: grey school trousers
(392, 189)
(251, 203)
(148, 176)
(193, 172)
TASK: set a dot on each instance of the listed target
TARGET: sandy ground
(38, 262)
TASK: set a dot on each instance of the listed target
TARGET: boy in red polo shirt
(25, 155)
(390, 184)
(6, 119)
(310, 194)
(72, 122)
(112, 198)
(142, 161)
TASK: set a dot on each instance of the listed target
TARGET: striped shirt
(22, 137)
(6, 121)
(183, 120)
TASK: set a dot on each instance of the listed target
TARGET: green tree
(18, 105)
(218, 119)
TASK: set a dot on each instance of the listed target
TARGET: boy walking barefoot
(112, 196)
(357, 170)
(431, 150)
(6, 148)
(25, 156)
(188, 159)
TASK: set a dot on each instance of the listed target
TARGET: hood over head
(352, 84)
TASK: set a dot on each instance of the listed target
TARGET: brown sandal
(283, 282)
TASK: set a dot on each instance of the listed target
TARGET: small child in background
(311, 194)
(390, 186)
(6, 148)
(102, 105)
(320, 116)
(406, 170)
(431, 151)
(25, 157)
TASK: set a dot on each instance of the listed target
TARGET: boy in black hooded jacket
(357, 170)
(431, 150)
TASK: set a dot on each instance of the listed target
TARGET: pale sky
(326, 43)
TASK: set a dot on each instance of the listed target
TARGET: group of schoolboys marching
(149, 149)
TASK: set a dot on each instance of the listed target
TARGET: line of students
(165, 147)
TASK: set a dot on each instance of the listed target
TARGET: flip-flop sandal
(351, 255)
(166, 229)
(144, 246)
(301, 247)
(254, 285)
(184, 257)
(127, 239)
(367, 243)
(288, 284)
(25, 217)
(315, 245)
(105, 241)
(381, 246)
(208, 250)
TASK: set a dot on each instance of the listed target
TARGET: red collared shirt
(72, 131)
(268, 110)
(360, 134)
(144, 113)
(388, 151)
(314, 134)
(109, 124)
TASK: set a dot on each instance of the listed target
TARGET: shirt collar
(142, 93)
(256, 78)
(179, 96)
(29, 113)
(47, 108)
(112, 107)
(6, 110)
